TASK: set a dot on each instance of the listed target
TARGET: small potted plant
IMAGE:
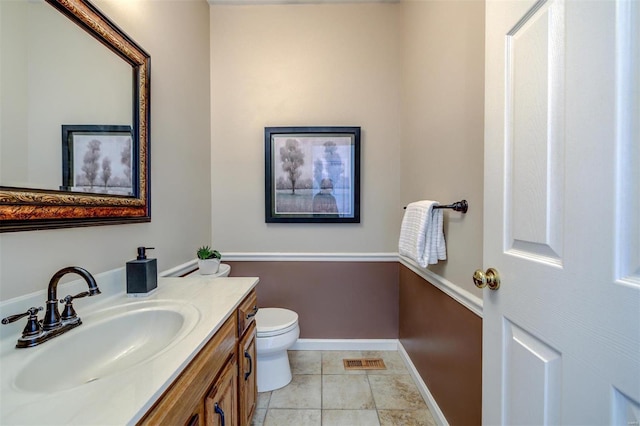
(208, 260)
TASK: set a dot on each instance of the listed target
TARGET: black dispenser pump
(142, 252)
(142, 273)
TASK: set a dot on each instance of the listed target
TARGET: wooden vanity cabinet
(220, 380)
(247, 382)
(183, 402)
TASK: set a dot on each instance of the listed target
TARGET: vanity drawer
(247, 312)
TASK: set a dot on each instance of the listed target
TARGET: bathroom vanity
(184, 354)
(219, 386)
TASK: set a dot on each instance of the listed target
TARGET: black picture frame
(99, 159)
(312, 174)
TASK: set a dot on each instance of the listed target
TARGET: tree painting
(125, 159)
(318, 168)
(312, 174)
(99, 159)
(91, 157)
(106, 170)
(335, 166)
(292, 159)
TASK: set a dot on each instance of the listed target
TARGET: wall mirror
(74, 118)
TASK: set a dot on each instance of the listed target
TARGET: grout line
(375, 403)
(321, 386)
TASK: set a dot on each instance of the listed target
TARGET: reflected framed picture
(312, 174)
(99, 159)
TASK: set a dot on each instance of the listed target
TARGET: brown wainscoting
(334, 300)
(444, 341)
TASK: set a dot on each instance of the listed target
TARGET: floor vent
(364, 364)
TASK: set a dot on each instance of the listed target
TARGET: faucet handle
(13, 318)
(33, 326)
(69, 298)
(69, 312)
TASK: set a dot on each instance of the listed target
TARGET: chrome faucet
(53, 324)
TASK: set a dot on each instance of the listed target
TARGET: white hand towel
(421, 234)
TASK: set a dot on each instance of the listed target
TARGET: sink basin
(108, 342)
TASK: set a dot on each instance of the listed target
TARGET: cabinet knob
(253, 313)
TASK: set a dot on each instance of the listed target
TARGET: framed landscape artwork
(98, 159)
(312, 174)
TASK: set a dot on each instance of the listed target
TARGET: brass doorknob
(489, 279)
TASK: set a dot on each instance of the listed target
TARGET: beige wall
(442, 139)
(176, 35)
(410, 74)
(304, 65)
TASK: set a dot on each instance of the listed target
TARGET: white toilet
(223, 270)
(277, 331)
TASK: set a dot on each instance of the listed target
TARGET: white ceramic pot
(208, 266)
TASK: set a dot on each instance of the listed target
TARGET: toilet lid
(270, 320)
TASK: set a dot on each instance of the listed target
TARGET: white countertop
(123, 397)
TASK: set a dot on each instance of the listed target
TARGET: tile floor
(322, 393)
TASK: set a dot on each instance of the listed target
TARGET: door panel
(534, 130)
(628, 142)
(561, 336)
(533, 390)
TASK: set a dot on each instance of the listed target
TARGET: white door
(562, 212)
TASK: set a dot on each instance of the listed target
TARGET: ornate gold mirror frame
(23, 209)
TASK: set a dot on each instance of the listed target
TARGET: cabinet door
(248, 385)
(221, 404)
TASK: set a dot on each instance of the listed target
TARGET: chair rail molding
(310, 257)
(462, 296)
(180, 270)
(465, 298)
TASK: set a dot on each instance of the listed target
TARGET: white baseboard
(345, 345)
(437, 414)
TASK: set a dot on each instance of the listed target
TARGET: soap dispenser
(142, 273)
